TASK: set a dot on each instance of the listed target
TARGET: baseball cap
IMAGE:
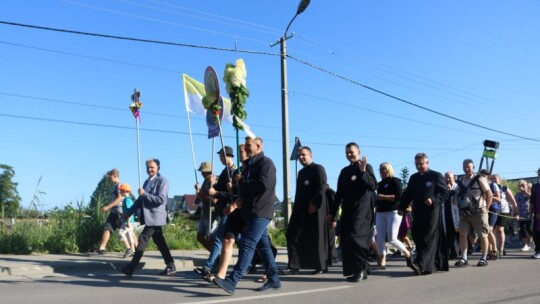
(125, 187)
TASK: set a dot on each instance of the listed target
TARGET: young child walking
(126, 234)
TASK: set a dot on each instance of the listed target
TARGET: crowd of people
(448, 217)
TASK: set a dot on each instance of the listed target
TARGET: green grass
(77, 229)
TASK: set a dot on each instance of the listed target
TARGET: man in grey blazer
(152, 202)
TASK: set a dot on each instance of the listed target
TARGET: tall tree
(102, 194)
(9, 196)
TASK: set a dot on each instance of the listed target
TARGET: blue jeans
(218, 243)
(255, 237)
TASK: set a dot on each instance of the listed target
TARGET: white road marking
(229, 299)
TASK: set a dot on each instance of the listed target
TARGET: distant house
(189, 203)
(174, 205)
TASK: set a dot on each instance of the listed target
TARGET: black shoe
(169, 270)
(269, 285)
(413, 266)
(99, 252)
(198, 270)
(362, 275)
(319, 271)
(203, 271)
(127, 271)
(289, 271)
(225, 285)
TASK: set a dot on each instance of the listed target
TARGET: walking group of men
(244, 198)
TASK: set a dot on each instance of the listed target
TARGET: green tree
(102, 194)
(9, 196)
(404, 175)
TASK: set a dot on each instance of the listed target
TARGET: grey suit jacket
(153, 201)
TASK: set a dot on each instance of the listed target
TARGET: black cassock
(354, 194)
(307, 234)
(427, 231)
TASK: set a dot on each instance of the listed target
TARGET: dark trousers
(536, 238)
(293, 233)
(156, 233)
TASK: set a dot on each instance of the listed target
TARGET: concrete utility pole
(285, 112)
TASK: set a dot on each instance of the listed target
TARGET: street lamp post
(285, 111)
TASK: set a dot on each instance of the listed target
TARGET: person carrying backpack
(474, 198)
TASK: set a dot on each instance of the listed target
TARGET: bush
(277, 236)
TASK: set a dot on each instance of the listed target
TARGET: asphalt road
(512, 279)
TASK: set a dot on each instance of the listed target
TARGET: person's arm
(367, 177)
(332, 217)
(319, 195)
(440, 193)
(397, 189)
(112, 204)
(512, 200)
(407, 196)
(261, 180)
(495, 191)
(160, 196)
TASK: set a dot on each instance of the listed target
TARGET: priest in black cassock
(356, 184)
(307, 232)
(427, 190)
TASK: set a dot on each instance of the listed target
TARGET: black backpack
(467, 203)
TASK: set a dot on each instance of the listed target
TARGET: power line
(274, 54)
(408, 102)
(198, 134)
(138, 39)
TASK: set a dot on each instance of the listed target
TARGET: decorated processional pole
(235, 80)
(135, 106)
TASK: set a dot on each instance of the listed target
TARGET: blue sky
(355, 69)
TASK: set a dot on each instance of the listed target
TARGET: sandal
(494, 255)
(262, 279)
(482, 262)
(210, 278)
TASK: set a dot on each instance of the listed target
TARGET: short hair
(352, 144)
(388, 168)
(113, 172)
(420, 155)
(305, 148)
(258, 139)
(155, 160)
(468, 161)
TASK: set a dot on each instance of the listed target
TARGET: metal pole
(285, 129)
(138, 151)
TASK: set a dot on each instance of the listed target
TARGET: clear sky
(358, 72)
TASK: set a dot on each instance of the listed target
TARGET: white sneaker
(526, 248)
(536, 255)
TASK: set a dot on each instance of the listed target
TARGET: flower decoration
(136, 104)
(211, 103)
(235, 79)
